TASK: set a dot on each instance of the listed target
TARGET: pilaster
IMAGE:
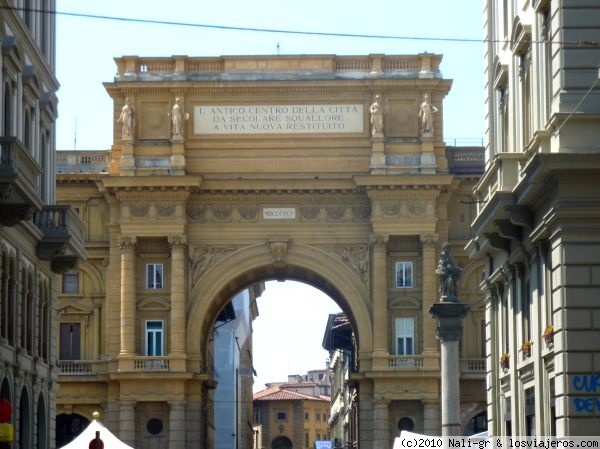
(128, 294)
(127, 422)
(177, 425)
(381, 424)
(380, 305)
(429, 287)
(178, 245)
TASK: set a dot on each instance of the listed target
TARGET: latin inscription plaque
(278, 119)
(279, 213)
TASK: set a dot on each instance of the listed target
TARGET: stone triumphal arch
(226, 172)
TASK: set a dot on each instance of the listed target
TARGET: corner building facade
(226, 172)
(38, 239)
(537, 225)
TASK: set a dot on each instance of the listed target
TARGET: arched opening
(215, 286)
(476, 424)
(269, 340)
(42, 426)
(25, 428)
(281, 443)
(68, 427)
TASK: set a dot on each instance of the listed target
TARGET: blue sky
(86, 48)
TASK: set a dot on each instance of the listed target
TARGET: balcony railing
(406, 362)
(500, 177)
(472, 366)
(63, 236)
(151, 364)
(82, 161)
(81, 367)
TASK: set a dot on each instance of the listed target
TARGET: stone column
(449, 331)
(431, 417)
(380, 305)
(430, 292)
(177, 425)
(178, 296)
(127, 422)
(381, 424)
(449, 312)
(128, 279)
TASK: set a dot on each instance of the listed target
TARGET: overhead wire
(282, 31)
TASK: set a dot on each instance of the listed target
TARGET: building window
(306, 416)
(405, 336)
(154, 276)
(404, 274)
(154, 338)
(70, 341)
(280, 415)
(526, 92)
(154, 426)
(406, 424)
(70, 282)
(305, 439)
(530, 412)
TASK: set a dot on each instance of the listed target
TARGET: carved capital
(127, 244)
(429, 240)
(379, 239)
(177, 242)
(279, 251)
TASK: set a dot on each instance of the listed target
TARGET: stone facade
(230, 171)
(537, 225)
(37, 238)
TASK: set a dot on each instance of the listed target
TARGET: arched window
(8, 298)
(42, 426)
(27, 131)
(25, 428)
(7, 116)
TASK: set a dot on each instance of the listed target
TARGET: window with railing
(154, 338)
(70, 341)
(405, 336)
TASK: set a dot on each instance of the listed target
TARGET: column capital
(177, 241)
(127, 243)
(379, 239)
(428, 240)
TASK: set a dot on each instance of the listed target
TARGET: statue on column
(448, 275)
(127, 119)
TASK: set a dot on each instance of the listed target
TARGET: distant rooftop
(276, 67)
(82, 161)
(285, 392)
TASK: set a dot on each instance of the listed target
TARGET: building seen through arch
(231, 171)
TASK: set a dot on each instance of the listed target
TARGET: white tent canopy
(84, 438)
